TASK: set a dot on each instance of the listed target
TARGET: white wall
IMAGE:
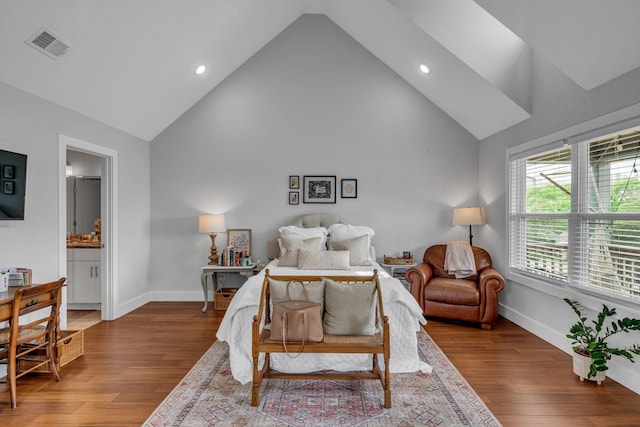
(561, 108)
(31, 126)
(311, 102)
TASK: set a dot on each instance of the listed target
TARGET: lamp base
(470, 237)
(213, 257)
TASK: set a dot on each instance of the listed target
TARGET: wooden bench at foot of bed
(350, 344)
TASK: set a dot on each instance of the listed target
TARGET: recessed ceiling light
(424, 68)
(200, 69)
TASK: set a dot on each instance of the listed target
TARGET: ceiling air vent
(47, 42)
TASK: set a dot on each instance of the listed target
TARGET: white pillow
(302, 233)
(357, 247)
(290, 256)
(347, 231)
(323, 260)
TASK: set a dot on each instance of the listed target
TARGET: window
(575, 214)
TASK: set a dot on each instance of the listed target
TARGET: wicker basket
(222, 298)
(70, 347)
(398, 261)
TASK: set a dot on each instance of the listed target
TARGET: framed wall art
(319, 189)
(9, 171)
(294, 182)
(8, 187)
(239, 239)
(294, 197)
(349, 188)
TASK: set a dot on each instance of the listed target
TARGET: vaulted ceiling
(131, 62)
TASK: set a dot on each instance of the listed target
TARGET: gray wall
(560, 109)
(311, 102)
(31, 126)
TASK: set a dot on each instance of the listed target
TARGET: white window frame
(608, 124)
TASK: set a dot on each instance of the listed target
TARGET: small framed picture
(294, 197)
(8, 171)
(8, 187)
(319, 189)
(239, 239)
(294, 182)
(349, 188)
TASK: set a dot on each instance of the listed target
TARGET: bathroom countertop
(75, 245)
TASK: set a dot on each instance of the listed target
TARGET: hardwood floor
(132, 363)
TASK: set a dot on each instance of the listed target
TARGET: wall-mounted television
(13, 183)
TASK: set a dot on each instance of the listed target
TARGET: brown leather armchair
(472, 299)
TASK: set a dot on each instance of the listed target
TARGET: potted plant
(589, 342)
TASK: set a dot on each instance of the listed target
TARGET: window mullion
(578, 224)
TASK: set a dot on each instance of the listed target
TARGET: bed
(405, 315)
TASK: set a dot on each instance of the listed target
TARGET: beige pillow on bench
(349, 308)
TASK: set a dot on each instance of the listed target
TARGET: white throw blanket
(405, 317)
(458, 259)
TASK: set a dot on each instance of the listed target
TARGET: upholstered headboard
(306, 221)
(319, 220)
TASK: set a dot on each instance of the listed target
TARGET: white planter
(581, 365)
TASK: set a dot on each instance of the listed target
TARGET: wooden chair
(37, 334)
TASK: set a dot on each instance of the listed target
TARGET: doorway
(84, 232)
(101, 271)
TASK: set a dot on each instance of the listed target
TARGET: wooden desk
(6, 298)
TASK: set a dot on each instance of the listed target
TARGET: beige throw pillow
(349, 308)
(291, 246)
(323, 260)
(358, 249)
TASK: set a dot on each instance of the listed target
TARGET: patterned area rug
(208, 395)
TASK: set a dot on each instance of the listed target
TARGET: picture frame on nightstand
(239, 239)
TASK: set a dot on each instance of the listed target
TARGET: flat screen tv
(13, 183)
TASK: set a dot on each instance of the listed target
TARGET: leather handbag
(297, 321)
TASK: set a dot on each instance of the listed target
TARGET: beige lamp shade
(211, 223)
(469, 216)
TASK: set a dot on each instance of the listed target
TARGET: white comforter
(403, 311)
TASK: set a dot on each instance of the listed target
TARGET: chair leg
(11, 377)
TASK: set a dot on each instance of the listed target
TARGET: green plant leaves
(591, 341)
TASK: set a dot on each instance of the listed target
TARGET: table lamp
(469, 216)
(212, 224)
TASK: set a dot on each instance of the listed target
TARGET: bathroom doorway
(93, 246)
(84, 231)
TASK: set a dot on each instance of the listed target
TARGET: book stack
(232, 257)
(17, 277)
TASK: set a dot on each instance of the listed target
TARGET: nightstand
(236, 275)
(397, 271)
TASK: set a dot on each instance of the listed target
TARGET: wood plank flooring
(132, 363)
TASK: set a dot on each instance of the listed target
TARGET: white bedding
(405, 317)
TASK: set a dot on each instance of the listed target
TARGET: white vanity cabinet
(70, 281)
(85, 268)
